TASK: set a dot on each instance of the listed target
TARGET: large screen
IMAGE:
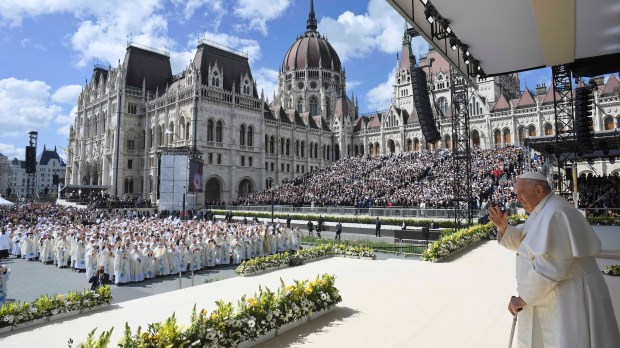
(173, 181)
(195, 176)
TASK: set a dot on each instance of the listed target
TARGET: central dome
(311, 50)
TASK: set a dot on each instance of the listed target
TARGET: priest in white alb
(562, 297)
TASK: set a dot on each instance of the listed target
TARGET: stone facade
(129, 114)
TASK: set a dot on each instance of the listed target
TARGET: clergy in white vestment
(149, 263)
(62, 252)
(80, 254)
(562, 297)
(122, 267)
(4, 279)
(160, 255)
(136, 273)
(91, 260)
(17, 239)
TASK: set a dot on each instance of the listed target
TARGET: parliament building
(246, 141)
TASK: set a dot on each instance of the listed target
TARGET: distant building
(5, 174)
(128, 114)
(49, 163)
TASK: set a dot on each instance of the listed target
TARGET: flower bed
(14, 314)
(229, 326)
(449, 244)
(266, 263)
(612, 270)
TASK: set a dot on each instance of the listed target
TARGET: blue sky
(48, 49)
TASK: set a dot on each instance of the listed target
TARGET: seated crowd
(412, 179)
(132, 248)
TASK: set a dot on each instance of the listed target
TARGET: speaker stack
(422, 104)
(31, 159)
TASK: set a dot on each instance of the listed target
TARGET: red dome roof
(312, 50)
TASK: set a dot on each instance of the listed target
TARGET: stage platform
(387, 303)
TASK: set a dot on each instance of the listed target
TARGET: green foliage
(460, 239)
(100, 342)
(613, 270)
(608, 220)
(15, 313)
(227, 325)
(326, 249)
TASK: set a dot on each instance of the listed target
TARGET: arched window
(497, 138)
(250, 136)
(316, 150)
(371, 149)
(447, 141)
(443, 105)
(409, 145)
(281, 146)
(475, 138)
(218, 132)
(313, 106)
(377, 149)
(416, 145)
(608, 123)
(171, 133)
(303, 149)
(328, 112)
(266, 143)
(300, 106)
(187, 130)
(532, 131)
(272, 145)
(210, 130)
(507, 137)
(242, 135)
(288, 147)
(297, 148)
(548, 129)
(215, 80)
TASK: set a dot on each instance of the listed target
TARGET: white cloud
(14, 11)
(105, 33)
(65, 122)
(236, 43)
(11, 151)
(258, 13)
(267, 81)
(67, 94)
(352, 84)
(211, 7)
(380, 97)
(24, 106)
(355, 36)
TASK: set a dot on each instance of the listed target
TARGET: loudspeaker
(583, 119)
(423, 105)
(31, 159)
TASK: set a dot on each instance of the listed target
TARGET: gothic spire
(311, 23)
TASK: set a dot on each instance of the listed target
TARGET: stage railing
(421, 213)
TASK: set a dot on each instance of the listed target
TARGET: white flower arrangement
(15, 313)
(228, 326)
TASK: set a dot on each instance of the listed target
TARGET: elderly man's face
(529, 194)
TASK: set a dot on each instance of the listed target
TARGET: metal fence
(405, 247)
(422, 213)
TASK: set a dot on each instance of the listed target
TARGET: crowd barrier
(421, 213)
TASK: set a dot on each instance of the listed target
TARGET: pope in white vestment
(563, 296)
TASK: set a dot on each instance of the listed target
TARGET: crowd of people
(132, 247)
(412, 179)
(599, 191)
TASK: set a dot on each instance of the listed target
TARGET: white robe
(568, 303)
